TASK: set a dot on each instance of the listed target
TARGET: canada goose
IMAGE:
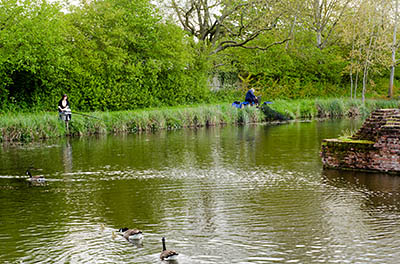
(167, 254)
(40, 179)
(130, 234)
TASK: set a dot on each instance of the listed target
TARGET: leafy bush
(107, 55)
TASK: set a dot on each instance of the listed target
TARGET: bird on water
(131, 234)
(168, 254)
(39, 179)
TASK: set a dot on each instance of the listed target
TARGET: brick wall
(375, 146)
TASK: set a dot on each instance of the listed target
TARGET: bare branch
(334, 24)
(183, 20)
(231, 43)
(267, 47)
(237, 23)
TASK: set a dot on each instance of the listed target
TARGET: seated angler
(250, 97)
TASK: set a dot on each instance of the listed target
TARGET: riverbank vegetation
(114, 55)
(23, 127)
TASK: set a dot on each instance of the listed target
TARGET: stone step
(392, 123)
(386, 119)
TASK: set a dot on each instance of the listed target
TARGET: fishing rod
(87, 115)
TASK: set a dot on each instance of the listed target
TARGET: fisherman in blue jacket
(250, 97)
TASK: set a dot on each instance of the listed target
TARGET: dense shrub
(106, 55)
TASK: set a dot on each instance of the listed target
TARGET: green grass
(29, 127)
(24, 127)
(330, 108)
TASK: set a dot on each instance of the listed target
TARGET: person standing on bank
(63, 108)
(250, 97)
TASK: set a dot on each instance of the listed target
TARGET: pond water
(252, 194)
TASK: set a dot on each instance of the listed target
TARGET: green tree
(31, 52)
(126, 57)
(105, 54)
(367, 31)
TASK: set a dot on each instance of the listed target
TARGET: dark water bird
(168, 254)
(39, 179)
(131, 234)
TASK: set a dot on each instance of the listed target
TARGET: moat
(252, 194)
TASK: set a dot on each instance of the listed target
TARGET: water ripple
(248, 195)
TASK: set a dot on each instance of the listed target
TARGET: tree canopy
(122, 54)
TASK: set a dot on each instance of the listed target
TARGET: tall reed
(29, 127)
(43, 125)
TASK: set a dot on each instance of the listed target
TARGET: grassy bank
(41, 125)
(34, 126)
(330, 108)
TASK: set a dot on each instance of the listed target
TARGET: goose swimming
(168, 254)
(40, 179)
(131, 234)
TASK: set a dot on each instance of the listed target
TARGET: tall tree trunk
(365, 76)
(356, 84)
(351, 64)
(290, 36)
(366, 67)
(394, 46)
(318, 29)
(351, 82)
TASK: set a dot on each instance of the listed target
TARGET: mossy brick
(375, 146)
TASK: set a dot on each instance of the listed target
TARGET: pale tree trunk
(351, 64)
(366, 67)
(392, 68)
(291, 31)
(356, 84)
(357, 76)
(351, 82)
(317, 9)
(319, 39)
(299, 6)
(327, 14)
(365, 75)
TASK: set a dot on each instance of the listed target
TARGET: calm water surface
(253, 194)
